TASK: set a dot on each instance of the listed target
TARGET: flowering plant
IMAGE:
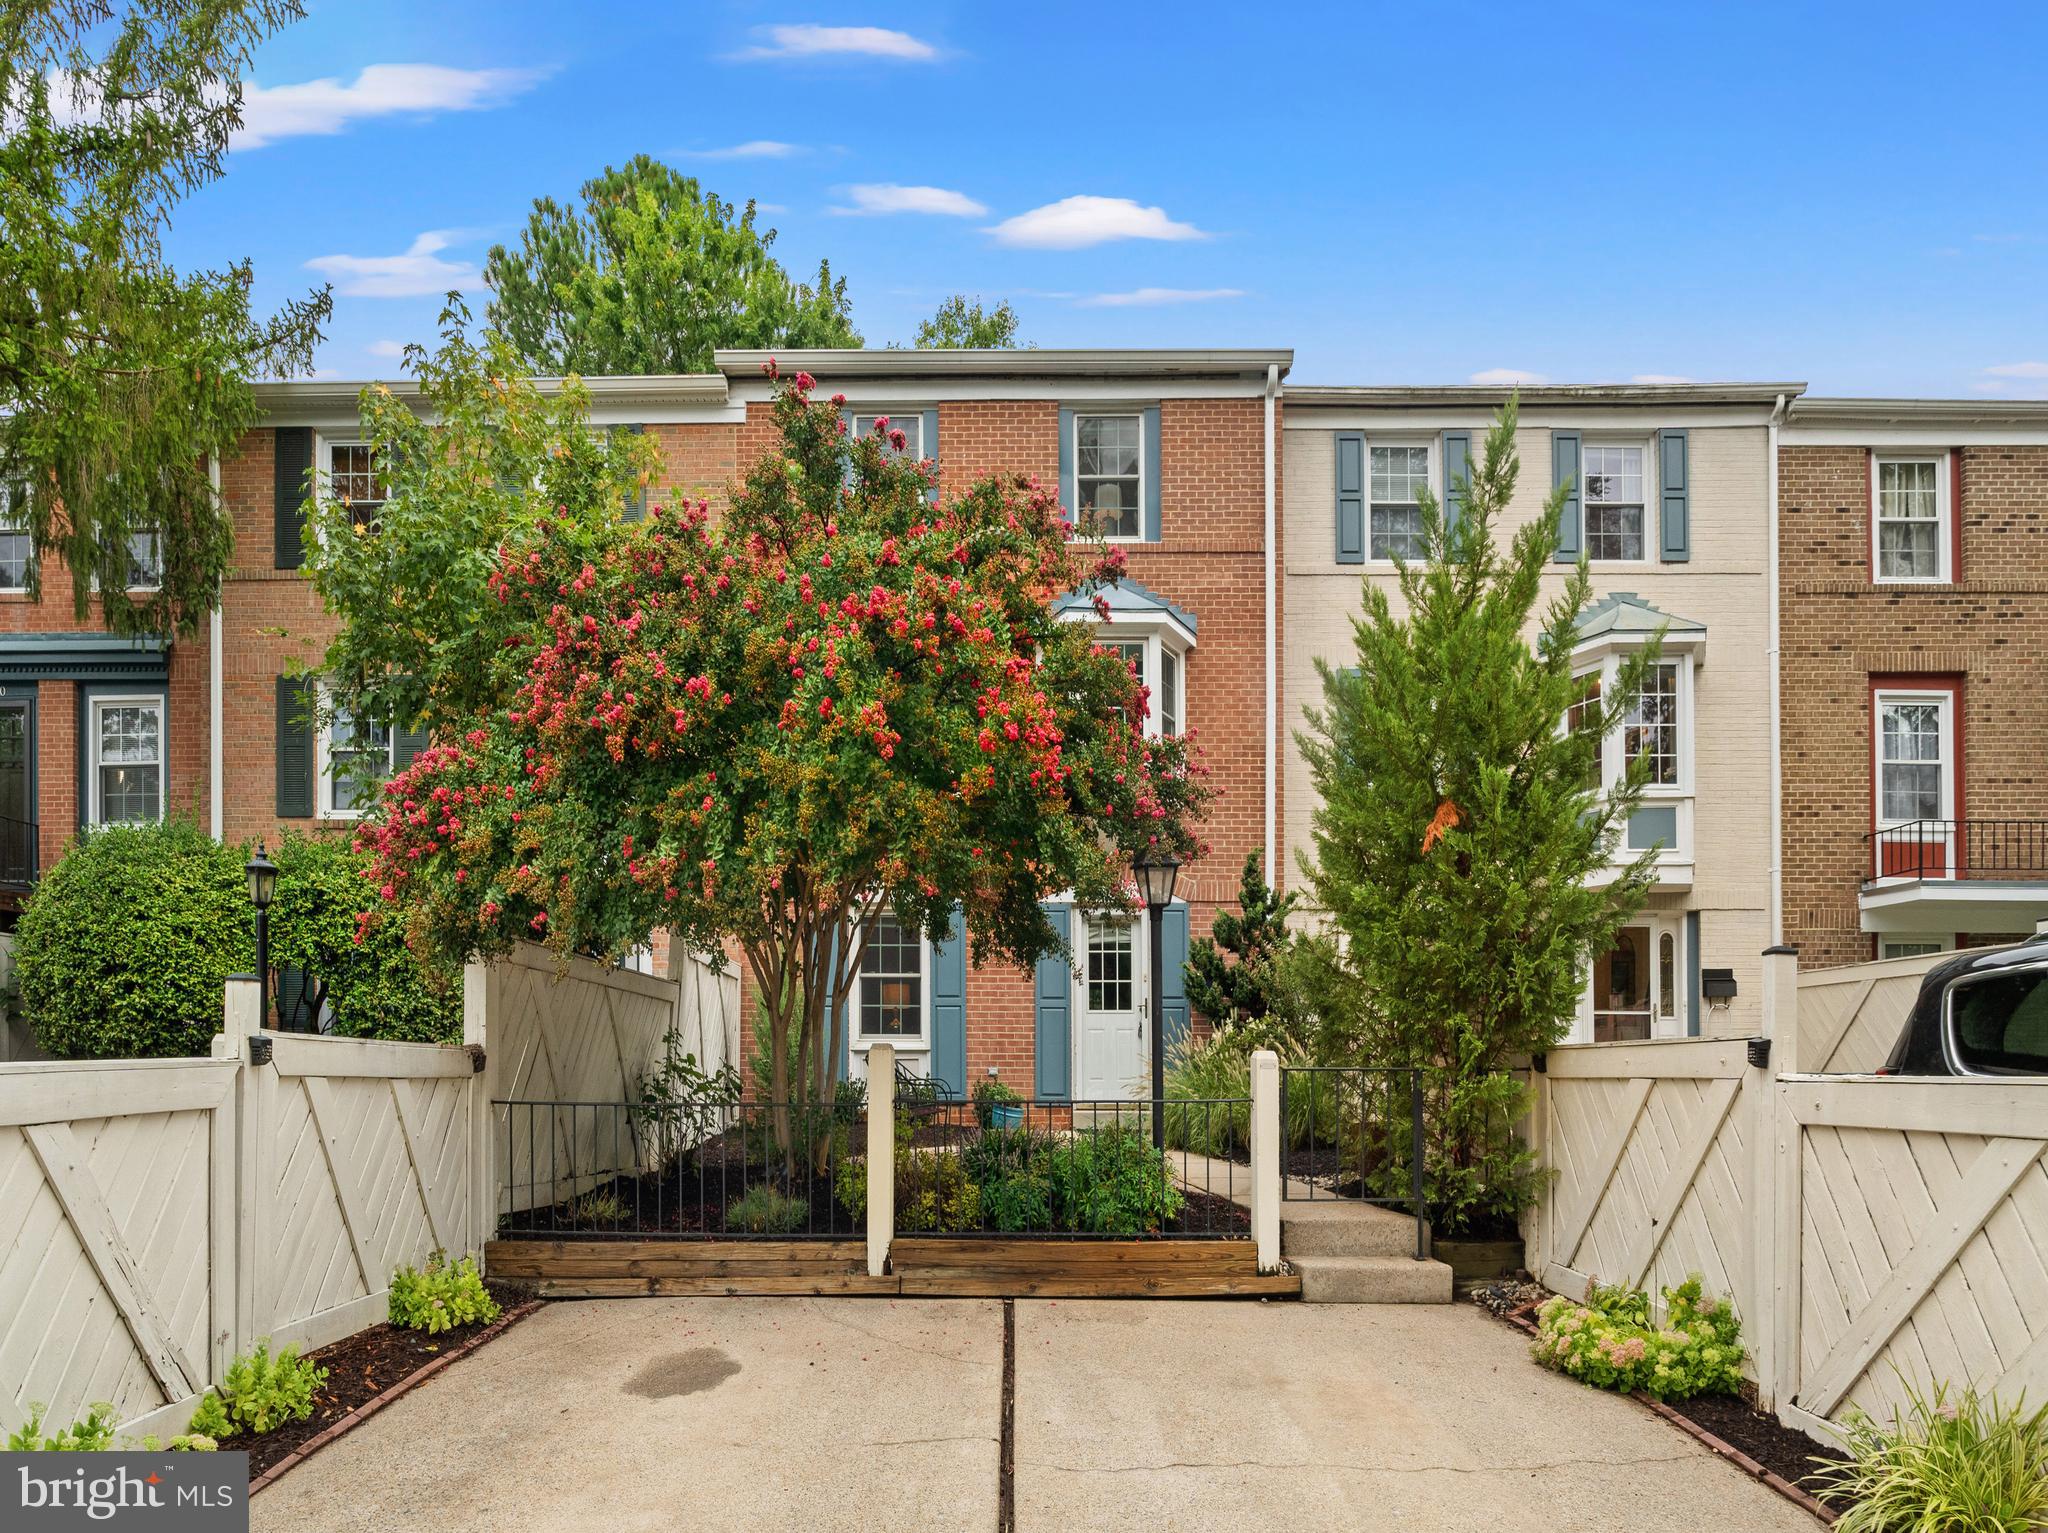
(1611, 1341)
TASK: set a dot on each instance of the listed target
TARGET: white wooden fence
(161, 1216)
(1867, 1228)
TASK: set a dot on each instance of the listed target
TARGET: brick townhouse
(1670, 502)
(1913, 550)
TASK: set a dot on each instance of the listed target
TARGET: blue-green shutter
(294, 748)
(406, 744)
(1457, 450)
(1350, 497)
(1564, 469)
(949, 1008)
(1675, 522)
(634, 508)
(1053, 986)
(1173, 983)
(1148, 460)
(1069, 494)
(292, 459)
(931, 448)
(1692, 973)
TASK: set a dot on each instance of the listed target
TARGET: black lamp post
(262, 886)
(1156, 870)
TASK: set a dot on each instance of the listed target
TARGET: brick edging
(1714, 1444)
(377, 1402)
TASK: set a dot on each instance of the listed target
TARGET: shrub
(1973, 1464)
(1020, 1201)
(988, 1096)
(765, 1211)
(1208, 1072)
(1611, 1342)
(93, 1434)
(1111, 1182)
(442, 1297)
(680, 1103)
(123, 947)
(933, 1192)
(850, 1187)
(260, 1392)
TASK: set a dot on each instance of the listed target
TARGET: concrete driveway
(828, 1414)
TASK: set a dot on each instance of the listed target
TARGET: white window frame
(861, 1042)
(1652, 508)
(1614, 750)
(12, 525)
(1944, 512)
(161, 702)
(323, 448)
(897, 419)
(1934, 942)
(1945, 709)
(1660, 924)
(323, 764)
(1431, 477)
(1145, 470)
(157, 534)
(1157, 643)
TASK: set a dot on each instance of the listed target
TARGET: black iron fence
(1354, 1133)
(2016, 849)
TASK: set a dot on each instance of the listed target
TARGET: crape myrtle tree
(1463, 854)
(836, 698)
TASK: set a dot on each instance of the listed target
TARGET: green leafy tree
(961, 323)
(1234, 976)
(837, 699)
(120, 376)
(1463, 853)
(650, 276)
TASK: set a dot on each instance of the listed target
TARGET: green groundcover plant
(94, 1433)
(1971, 1465)
(441, 1297)
(1612, 1341)
(262, 1391)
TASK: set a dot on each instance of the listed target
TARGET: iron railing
(17, 853)
(1355, 1133)
(2012, 849)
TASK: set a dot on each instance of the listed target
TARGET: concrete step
(1355, 1231)
(1372, 1280)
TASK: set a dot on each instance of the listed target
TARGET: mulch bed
(368, 1367)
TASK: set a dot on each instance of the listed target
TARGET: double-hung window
(125, 780)
(1109, 484)
(17, 549)
(1651, 730)
(1910, 519)
(355, 758)
(889, 999)
(1614, 501)
(145, 560)
(1399, 476)
(909, 422)
(352, 479)
(1916, 793)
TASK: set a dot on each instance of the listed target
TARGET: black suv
(1984, 1012)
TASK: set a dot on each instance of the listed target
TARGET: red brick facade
(1983, 633)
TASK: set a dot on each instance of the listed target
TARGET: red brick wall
(1838, 630)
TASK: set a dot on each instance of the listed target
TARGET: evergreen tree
(960, 323)
(651, 276)
(1242, 988)
(1463, 853)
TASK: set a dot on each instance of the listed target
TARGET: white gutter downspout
(213, 685)
(1275, 875)
(1772, 659)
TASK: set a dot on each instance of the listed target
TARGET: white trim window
(1112, 973)
(1109, 476)
(145, 560)
(125, 776)
(349, 475)
(1657, 726)
(1651, 729)
(1909, 519)
(1616, 523)
(17, 548)
(1150, 655)
(1168, 700)
(1915, 757)
(1913, 946)
(1400, 473)
(1638, 987)
(355, 757)
(909, 422)
(894, 985)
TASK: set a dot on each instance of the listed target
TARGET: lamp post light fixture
(262, 888)
(1157, 869)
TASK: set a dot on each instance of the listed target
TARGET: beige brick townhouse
(1671, 504)
(1913, 545)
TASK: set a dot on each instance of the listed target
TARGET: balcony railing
(17, 853)
(2015, 850)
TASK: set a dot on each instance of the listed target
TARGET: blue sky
(1849, 195)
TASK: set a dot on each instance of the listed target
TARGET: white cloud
(2019, 370)
(884, 198)
(808, 40)
(389, 350)
(1147, 297)
(771, 207)
(419, 272)
(1507, 377)
(272, 112)
(1074, 223)
(752, 149)
(1656, 378)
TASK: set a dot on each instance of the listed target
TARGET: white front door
(1110, 1039)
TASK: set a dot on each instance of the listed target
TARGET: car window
(2001, 1023)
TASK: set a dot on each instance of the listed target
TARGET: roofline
(909, 362)
(312, 394)
(1841, 411)
(1419, 396)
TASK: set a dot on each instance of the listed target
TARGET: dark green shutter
(1070, 494)
(1148, 463)
(292, 452)
(1564, 469)
(1350, 497)
(1675, 518)
(293, 985)
(295, 799)
(949, 1008)
(406, 744)
(1457, 453)
(634, 508)
(931, 449)
(1173, 982)
(1053, 992)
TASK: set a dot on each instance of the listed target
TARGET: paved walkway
(829, 1414)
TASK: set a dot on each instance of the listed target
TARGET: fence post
(1266, 1158)
(1774, 1140)
(881, 1155)
(242, 1021)
(483, 1182)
